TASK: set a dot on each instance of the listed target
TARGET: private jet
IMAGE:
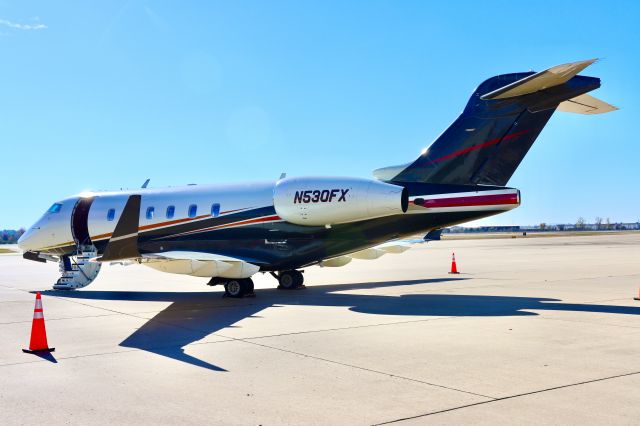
(228, 233)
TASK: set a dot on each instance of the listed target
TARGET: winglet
(553, 76)
(123, 243)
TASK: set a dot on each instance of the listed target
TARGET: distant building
(559, 227)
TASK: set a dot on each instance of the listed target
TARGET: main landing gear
(236, 288)
(289, 280)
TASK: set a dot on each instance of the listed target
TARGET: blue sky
(102, 95)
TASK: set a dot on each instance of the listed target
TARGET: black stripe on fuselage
(210, 222)
(279, 245)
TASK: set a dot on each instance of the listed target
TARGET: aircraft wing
(199, 264)
(189, 255)
(371, 253)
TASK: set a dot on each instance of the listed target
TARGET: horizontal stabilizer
(542, 80)
(585, 104)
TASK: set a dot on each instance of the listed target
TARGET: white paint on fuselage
(54, 229)
(51, 229)
(229, 197)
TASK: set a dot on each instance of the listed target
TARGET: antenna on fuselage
(146, 182)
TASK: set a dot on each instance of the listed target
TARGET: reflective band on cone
(38, 341)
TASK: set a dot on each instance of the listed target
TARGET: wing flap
(336, 262)
(368, 254)
(395, 248)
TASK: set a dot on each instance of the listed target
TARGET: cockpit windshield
(55, 208)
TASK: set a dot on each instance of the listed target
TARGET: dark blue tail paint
(487, 142)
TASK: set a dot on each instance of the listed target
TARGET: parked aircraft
(228, 233)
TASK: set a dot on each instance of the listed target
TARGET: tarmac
(533, 331)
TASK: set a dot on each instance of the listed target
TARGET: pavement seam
(192, 329)
(590, 322)
(556, 279)
(130, 349)
(65, 299)
(137, 315)
(297, 353)
(230, 339)
(80, 303)
(382, 324)
(601, 379)
(370, 370)
(69, 357)
(60, 319)
(246, 340)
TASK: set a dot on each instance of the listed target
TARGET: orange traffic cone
(454, 268)
(38, 332)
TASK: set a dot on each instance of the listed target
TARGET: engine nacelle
(318, 201)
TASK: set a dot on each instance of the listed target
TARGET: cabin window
(150, 212)
(111, 214)
(55, 208)
(193, 210)
(215, 210)
(171, 210)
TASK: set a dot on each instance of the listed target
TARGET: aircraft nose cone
(24, 242)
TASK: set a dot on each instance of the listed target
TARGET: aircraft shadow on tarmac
(194, 316)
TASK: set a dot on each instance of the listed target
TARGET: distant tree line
(581, 224)
(10, 236)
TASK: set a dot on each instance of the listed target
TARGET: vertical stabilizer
(501, 121)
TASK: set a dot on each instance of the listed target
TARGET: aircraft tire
(249, 286)
(235, 288)
(290, 280)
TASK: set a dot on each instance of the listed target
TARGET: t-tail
(501, 121)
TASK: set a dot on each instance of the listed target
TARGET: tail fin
(501, 121)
